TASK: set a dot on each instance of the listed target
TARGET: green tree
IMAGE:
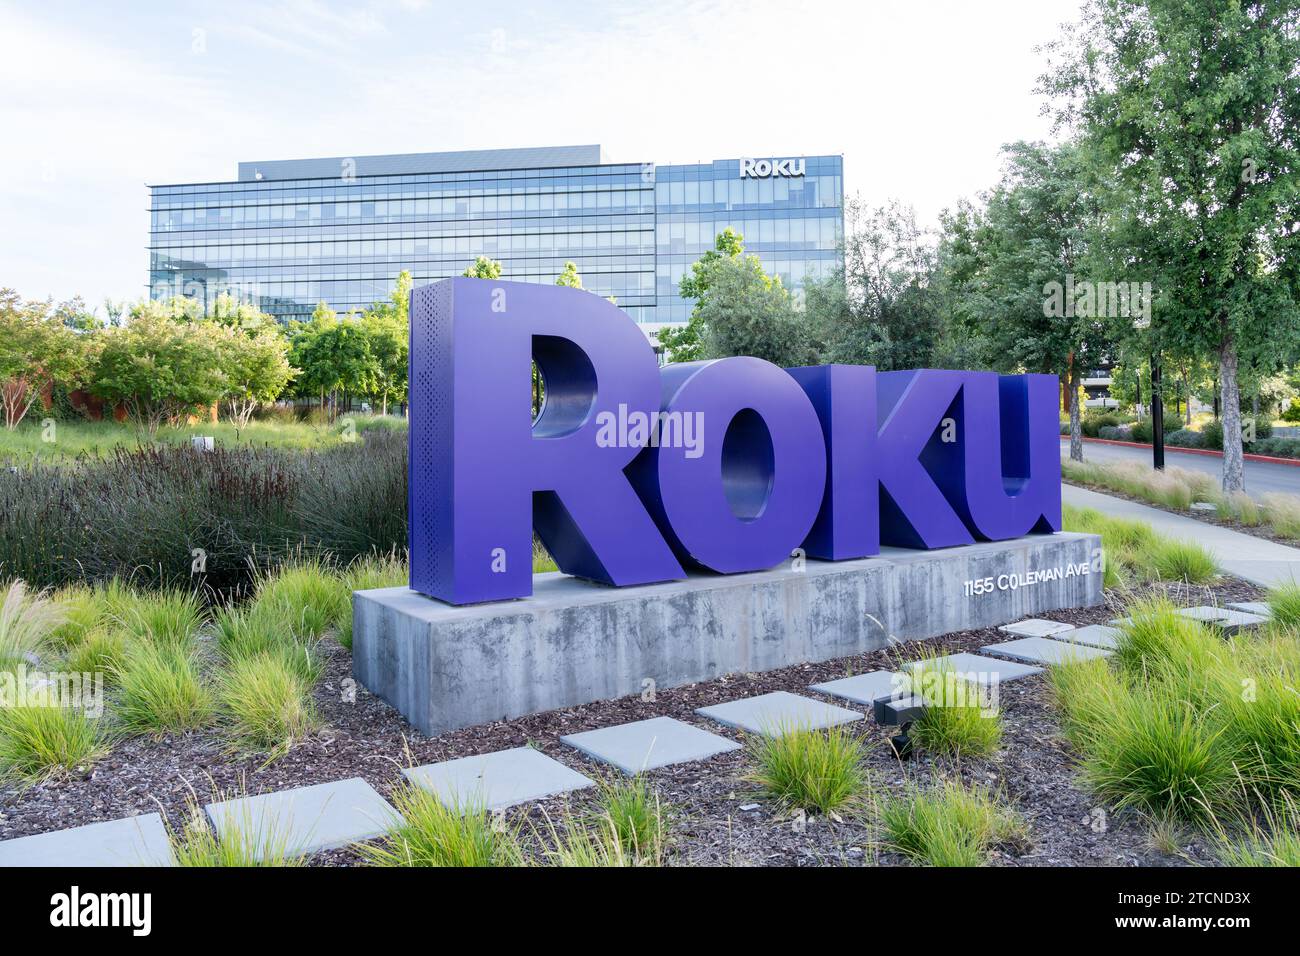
(725, 282)
(744, 311)
(569, 277)
(159, 368)
(37, 348)
(334, 356)
(235, 313)
(483, 268)
(388, 328)
(1015, 263)
(255, 368)
(1189, 112)
(178, 308)
(880, 309)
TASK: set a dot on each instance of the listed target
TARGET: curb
(1268, 459)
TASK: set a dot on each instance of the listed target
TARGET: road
(1262, 477)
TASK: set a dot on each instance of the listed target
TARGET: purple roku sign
(634, 474)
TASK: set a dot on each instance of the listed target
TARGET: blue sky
(101, 98)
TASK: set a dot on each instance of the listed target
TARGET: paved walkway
(1256, 560)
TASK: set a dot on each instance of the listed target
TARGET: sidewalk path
(1256, 560)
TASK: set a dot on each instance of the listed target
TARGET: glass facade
(287, 240)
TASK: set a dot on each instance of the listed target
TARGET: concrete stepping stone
(305, 819)
(1252, 607)
(778, 713)
(497, 780)
(1094, 635)
(1035, 627)
(647, 744)
(133, 841)
(867, 688)
(1225, 619)
(1042, 650)
(985, 671)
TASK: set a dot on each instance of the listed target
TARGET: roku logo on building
(762, 168)
(834, 459)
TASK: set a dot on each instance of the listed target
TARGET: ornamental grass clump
(166, 616)
(1284, 606)
(244, 841)
(306, 594)
(630, 809)
(803, 769)
(1187, 561)
(27, 621)
(265, 704)
(1146, 731)
(38, 742)
(364, 574)
(430, 833)
(949, 824)
(259, 630)
(161, 688)
(960, 716)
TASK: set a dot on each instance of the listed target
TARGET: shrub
(959, 718)
(432, 834)
(41, 741)
(1277, 447)
(1093, 422)
(266, 705)
(1142, 431)
(27, 621)
(1212, 434)
(949, 825)
(809, 769)
(1185, 438)
(161, 690)
(1292, 413)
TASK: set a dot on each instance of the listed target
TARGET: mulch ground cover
(715, 817)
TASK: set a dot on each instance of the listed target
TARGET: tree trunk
(1076, 421)
(1234, 476)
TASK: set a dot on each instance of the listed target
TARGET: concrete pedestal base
(574, 642)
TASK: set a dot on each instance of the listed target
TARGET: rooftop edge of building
(398, 164)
